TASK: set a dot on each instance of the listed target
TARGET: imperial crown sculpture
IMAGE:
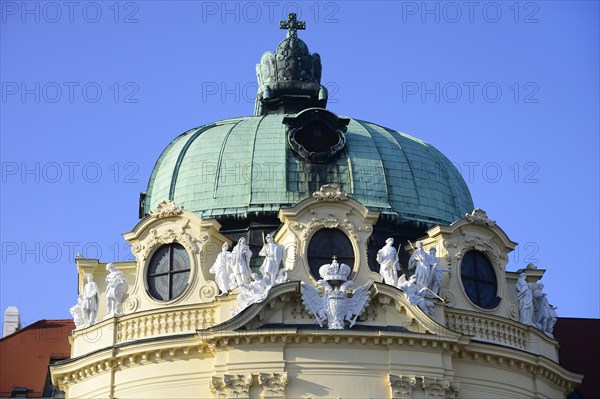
(339, 302)
(335, 271)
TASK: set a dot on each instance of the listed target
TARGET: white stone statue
(436, 271)
(419, 262)
(257, 290)
(222, 269)
(116, 289)
(90, 300)
(545, 314)
(273, 254)
(525, 298)
(387, 257)
(335, 305)
(254, 292)
(415, 293)
(241, 262)
(77, 313)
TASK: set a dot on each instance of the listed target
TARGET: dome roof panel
(244, 166)
(207, 169)
(162, 174)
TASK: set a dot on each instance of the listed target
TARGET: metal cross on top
(292, 25)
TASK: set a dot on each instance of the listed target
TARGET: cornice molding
(527, 363)
(206, 345)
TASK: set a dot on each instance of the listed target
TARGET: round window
(479, 280)
(169, 272)
(325, 244)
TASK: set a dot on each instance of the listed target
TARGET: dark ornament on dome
(292, 25)
(290, 79)
(316, 134)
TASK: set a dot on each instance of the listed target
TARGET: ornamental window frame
(494, 270)
(190, 270)
(355, 257)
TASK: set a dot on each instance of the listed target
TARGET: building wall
(195, 346)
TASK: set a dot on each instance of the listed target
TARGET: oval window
(479, 280)
(169, 272)
(325, 244)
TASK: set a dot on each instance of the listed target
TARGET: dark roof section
(579, 351)
(26, 354)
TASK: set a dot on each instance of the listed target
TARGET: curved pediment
(478, 235)
(169, 224)
(327, 209)
(389, 310)
(476, 220)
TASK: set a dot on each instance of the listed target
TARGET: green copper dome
(247, 167)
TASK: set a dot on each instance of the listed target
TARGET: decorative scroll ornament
(448, 297)
(448, 259)
(238, 385)
(498, 257)
(330, 192)
(231, 386)
(402, 386)
(165, 209)
(177, 234)
(513, 312)
(330, 223)
(442, 389)
(365, 229)
(479, 216)
(273, 384)
(131, 304)
(208, 291)
(335, 306)
(448, 244)
(218, 387)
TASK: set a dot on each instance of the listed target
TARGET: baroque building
(275, 258)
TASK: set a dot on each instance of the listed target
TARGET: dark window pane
(181, 261)
(158, 287)
(317, 137)
(179, 282)
(485, 273)
(168, 272)
(324, 245)
(160, 261)
(479, 280)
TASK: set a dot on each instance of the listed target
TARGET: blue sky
(92, 92)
